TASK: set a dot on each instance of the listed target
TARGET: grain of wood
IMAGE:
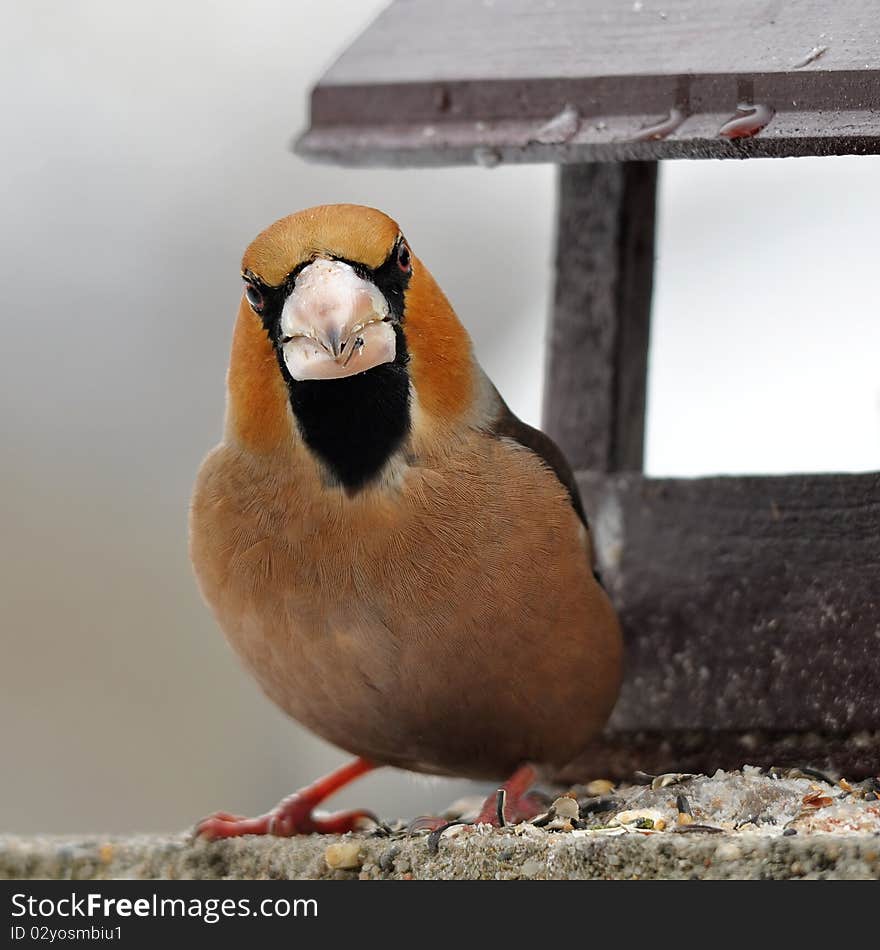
(747, 603)
(597, 351)
(445, 82)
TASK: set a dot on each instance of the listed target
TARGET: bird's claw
(224, 825)
(289, 819)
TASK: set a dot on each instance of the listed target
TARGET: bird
(403, 565)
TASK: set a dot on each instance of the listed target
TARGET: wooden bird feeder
(751, 605)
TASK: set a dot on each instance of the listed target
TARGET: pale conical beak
(335, 324)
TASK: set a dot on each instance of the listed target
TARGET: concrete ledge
(497, 855)
(751, 824)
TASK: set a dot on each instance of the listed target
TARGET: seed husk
(345, 855)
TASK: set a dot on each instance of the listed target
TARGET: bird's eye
(254, 296)
(404, 258)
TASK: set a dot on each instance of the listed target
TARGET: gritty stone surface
(495, 855)
(740, 825)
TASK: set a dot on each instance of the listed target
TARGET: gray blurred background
(144, 145)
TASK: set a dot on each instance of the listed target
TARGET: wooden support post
(594, 396)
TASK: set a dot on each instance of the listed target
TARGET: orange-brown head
(341, 325)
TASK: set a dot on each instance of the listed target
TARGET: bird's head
(343, 338)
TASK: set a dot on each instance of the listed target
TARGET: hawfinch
(402, 564)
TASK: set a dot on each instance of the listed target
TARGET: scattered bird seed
(599, 786)
(500, 800)
(381, 830)
(635, 815)
(671, 812)
(816, 800)
(566, 807)
(671, 778)
(344, 855)
(803, 771)
(607, 831)
(598, 805)
(555, 822)
(437, 833)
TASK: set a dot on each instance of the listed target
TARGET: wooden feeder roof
(448, 82)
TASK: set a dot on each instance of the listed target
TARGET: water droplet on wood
(748, 121)
(562, 127)
(659, 130)
(486, 156)
(811, 57)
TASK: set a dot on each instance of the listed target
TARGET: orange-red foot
(293, 816)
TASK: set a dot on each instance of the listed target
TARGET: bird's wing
(506, 425)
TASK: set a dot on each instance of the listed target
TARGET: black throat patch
(355, 424)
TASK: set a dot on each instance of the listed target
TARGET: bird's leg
(293, 815)
(512, 803)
